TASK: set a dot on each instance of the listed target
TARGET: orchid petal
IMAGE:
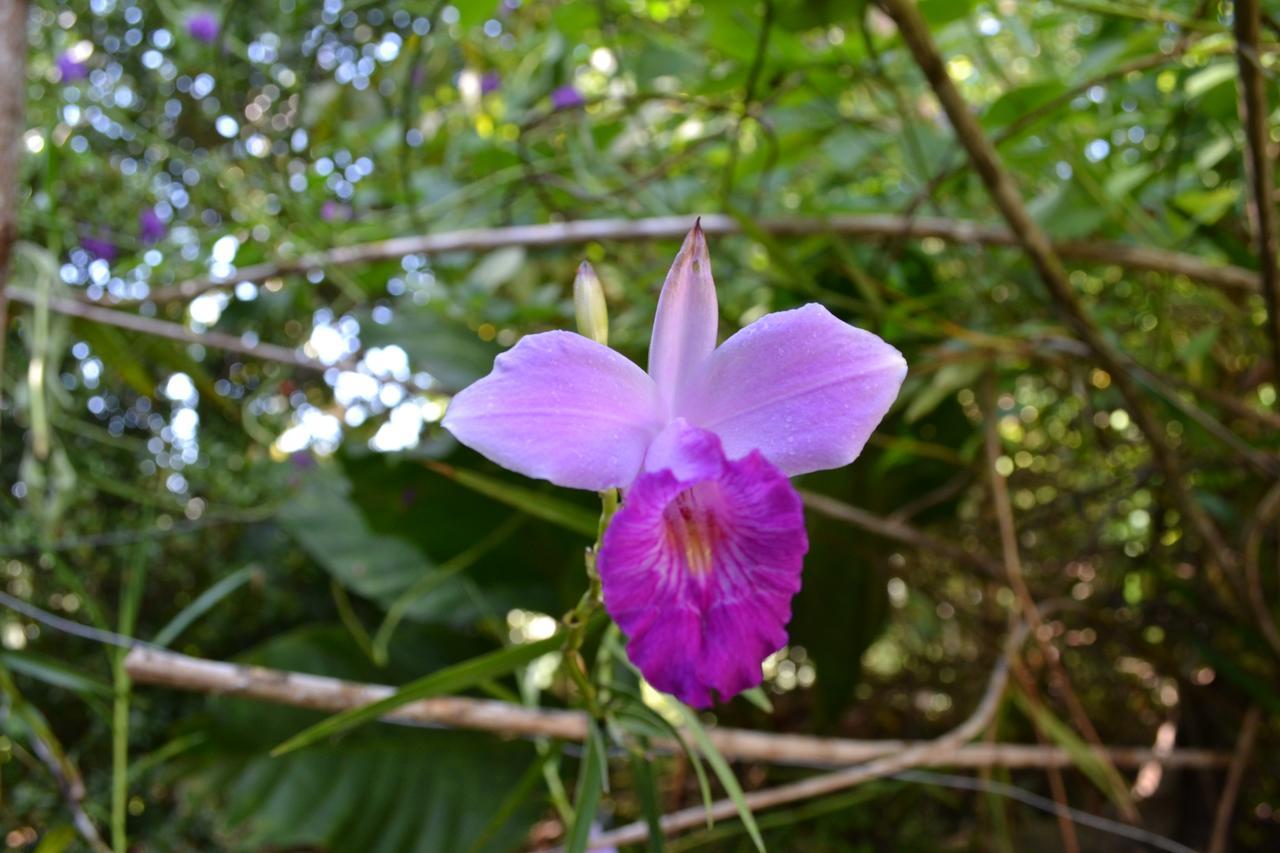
(684, 330)
(800, 386)
(700, 564)
(563, 408)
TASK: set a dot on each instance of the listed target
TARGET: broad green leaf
(324, 520)
(1208, 206)
(449, 680)
(382, 789)
(1215, 75)
(450, 352)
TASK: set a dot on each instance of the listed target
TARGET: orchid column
(700, 563)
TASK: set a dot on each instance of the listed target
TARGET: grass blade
(590, 783)
(537, 504)
(451, 679)
(724, 773)
(647, 792)
(205, 602)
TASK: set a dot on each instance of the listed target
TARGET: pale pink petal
(684, 331)
(800, 386)
(563, 408)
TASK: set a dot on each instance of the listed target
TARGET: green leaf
(382, 789)
(1098, 770)
(447, 350)
(647, 792)
(324, 520)
(723, 772)
(205, 602)
(1209, 78)
(537, 504)
(449, 680)
(54, 672)
(590, 784)
(1208, 206)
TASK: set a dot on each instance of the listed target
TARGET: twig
(1263, 515)
(13, 87)
(1070, 841)
(1256, 121)
(1235, 774)
(891, 528)
(872, 226)
(1013, 792)
(148, 665)
(828, 783)
(1017, 581)
(748, 96)
(1045, 258)
(172, 331)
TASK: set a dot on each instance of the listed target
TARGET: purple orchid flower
(151, 226)
(203, 26)
(566, 98)
(70, 69)
(701, 562)
(490, 82)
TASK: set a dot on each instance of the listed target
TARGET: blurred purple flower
(302, 460)
(151, 227)
(203, 26)
(100, 247)
(490, 82)
(70, 69)
(419, 75)
(566, 98)
(332, 210)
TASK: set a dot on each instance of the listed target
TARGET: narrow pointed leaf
(449, 680)
(724, 773)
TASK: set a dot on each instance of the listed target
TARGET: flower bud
(589, 305)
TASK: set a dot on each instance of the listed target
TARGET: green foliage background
(309, 126)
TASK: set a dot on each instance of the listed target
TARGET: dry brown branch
(1030, 611)
(1255, 118)
(172, 331)
(13, 89)
(147, 665)
(918, 755)
(1057, 786)
(1235, 774)
(674, 227)
(897, 530)
(1044, 257)
(1262, 517)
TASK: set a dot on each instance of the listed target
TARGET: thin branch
(13, 87)
(1045, 258)
(1221, 838)
(1263, 516)
(871, 226)
(172, 331)
(148, 665)
(1013, 792)
(1254, 116)
(918, 755)
(899, 531)
(1017, 581)
(748, 97)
